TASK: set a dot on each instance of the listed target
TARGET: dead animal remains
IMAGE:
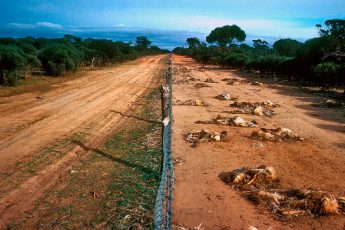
(225, 97)
(210, 80)
(232, 121)
(195, 102)
(205, 136)
(257, 83)
(260, 185)
(294, 202)
(181, 69)
(330, 104)
(201, 85)
(249, 178)
(279, 134)
(234, 81)
(257, 108)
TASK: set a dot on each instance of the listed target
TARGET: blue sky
(171, 20)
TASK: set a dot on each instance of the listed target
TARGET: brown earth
(34, 121)
(202, 199)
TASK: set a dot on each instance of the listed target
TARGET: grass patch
(134, 183)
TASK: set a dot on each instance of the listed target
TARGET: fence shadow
(136, 117)
(115, 159)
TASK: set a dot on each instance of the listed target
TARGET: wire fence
(163, 206)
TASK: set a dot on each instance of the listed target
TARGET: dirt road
(201, 198)
(88, 108)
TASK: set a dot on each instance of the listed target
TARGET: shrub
(327, 74)
(58, 59)
(11, 59)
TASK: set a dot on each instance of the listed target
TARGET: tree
(193, 43)
(335, 30)
(226, 35)
(107, 51)
(72, 38)
(287, 47)
(142, 43)
(260, 44)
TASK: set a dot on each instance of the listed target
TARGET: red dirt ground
(318, 162)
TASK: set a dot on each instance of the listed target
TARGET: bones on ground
(195, 102)
(257, 108)
(232, 121)
(225, 97)
(260, 185)
(279, 134)
(204, 135)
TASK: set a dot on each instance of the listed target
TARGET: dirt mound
(201, 85)
(279, 134)
(257, 108)
(232, 121)
(260, 185)
(210, 80)
(205, 136)
(195, 102)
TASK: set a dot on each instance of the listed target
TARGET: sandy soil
(318, 162)
(32, 121)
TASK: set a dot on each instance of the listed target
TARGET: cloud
(120, 25)
(22, 25)
(49, 25)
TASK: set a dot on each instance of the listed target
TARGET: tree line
(59, 56)
(318, 61)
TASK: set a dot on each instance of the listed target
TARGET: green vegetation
(319, 61)
(226, 35)
(57, 57)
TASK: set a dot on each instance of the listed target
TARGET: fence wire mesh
(163, 206)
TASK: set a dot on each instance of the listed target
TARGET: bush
(327, 74)
(10, 78)
(58, 59)
(11, 59)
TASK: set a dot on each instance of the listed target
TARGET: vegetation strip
(319, 61)
(22, 57)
